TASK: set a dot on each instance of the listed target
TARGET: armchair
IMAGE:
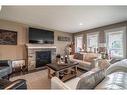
(17, 84)
(5, 68)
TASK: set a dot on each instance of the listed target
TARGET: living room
(52, 52)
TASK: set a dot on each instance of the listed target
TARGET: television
(40, 36)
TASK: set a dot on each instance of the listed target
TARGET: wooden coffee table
(63, 71)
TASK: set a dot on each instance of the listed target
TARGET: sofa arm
(94, 63)
(56, 83)
(91, 79)
(94, 70)
(118, 66)
(5, 62)
(17, 84)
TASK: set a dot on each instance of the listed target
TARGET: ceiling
(65, 18)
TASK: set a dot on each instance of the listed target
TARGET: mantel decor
(62, 38)
(8, 37)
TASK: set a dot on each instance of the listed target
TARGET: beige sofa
(88, 61)
(78, 82)
(115, 77)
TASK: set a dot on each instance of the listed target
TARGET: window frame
(95, 33)
(113, 30)
(75, 39)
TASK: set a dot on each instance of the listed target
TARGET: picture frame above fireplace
(8, 37)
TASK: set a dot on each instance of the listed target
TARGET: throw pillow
(91, 80)
(78, 56)
(75, 56)
(90, 56)
(87, 82)
(99, 76)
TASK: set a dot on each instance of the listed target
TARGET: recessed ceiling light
(80, 24)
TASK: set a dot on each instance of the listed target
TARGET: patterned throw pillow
(78, 56)
(90, 81)
(99, 76)
(90, 56)
(87, 82)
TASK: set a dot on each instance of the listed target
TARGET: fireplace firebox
(43, 58)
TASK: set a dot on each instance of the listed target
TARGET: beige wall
(101, 30)
(18, 51)
(13, 51)
(61, 44)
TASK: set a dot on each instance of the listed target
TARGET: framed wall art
(8, 37)
(62, 38)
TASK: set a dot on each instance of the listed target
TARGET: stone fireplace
(40, 55)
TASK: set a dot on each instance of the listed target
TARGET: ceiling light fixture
(80, 24)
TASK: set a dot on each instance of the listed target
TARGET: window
(78, 43)
(115, 43)
(92, 41)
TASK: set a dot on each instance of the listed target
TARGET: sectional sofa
(114, 77)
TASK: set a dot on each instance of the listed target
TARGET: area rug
(36, 80)
(39, 79)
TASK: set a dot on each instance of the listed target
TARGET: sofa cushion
(78, 56)
(91, 79)
(4, 70)
(56, 83)
(87, 82)
(90, 56)
(82, 62)
(72, 83)
(116, 80)
(71, 56)
(99, 76)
